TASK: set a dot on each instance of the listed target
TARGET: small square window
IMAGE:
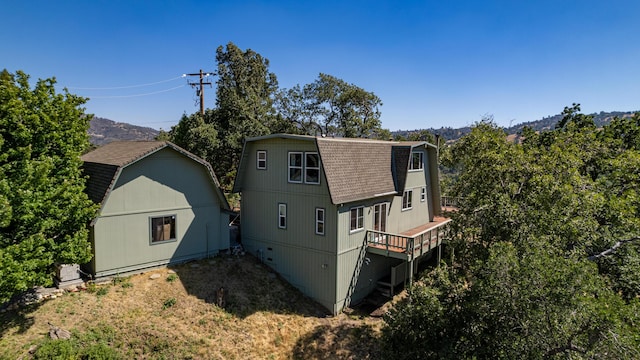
(423, 193)
(163, 228)
(282, 216)
(261, 160)
(357, 218)
(319, 221)
(407, 199)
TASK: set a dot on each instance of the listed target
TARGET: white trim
(423, 194)
(282, 216)
(409, 200)
(290, 167)
(307, 167)
(258, 159)
(320, 221)
(411, 168)
(358, 217)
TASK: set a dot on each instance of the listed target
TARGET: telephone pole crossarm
(200, 86)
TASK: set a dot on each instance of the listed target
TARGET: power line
(125, 87)
(135, 95)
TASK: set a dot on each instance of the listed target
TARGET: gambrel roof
(104, 165)
(358, 169)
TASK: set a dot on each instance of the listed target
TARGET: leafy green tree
(331, 106)
(244, 108)
(543, 253)
(44, 211)
(197, 134)
(245, 104)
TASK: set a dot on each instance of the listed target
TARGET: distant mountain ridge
(546, 123)
(103, 131)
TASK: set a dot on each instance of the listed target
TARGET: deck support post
(410, 265)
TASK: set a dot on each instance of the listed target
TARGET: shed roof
(104, 164)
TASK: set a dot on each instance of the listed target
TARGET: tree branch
(612, 249)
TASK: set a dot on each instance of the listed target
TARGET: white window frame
(307, 168)
(173, 230)
(420, 155)
(261, 164)
(291, 167)
(282, 215)
(320, 221)
(407, 200)
(359, 223)
(423, 194)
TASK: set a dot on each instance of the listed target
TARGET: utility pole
(200, 86)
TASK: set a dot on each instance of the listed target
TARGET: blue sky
(433, 63)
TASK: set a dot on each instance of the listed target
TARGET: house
(339, 218)
(159, 204)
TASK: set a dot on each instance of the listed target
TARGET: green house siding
(165, 183)
(335, 269)
(304, 258)
(359, 271)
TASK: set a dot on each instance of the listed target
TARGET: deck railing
(449, 201)
(389, 241)
(411, 246)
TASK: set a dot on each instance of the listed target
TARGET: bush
(168, 303)
(78, 347)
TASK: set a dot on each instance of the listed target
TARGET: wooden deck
(410, 244)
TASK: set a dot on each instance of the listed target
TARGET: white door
(380, 220)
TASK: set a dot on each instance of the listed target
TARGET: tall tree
(44, 211)
(331, 106)
(244, 108)
(245, 97)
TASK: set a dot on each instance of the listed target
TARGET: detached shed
(159, 204)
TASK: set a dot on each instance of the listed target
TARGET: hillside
(102, 131)
(546, 123)
(172, 313)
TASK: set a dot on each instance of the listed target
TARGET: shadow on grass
(249, 287)
(21, 318)
(346, 341)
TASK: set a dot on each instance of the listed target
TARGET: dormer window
(417, 161)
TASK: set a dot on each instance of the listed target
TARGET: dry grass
(263, 318)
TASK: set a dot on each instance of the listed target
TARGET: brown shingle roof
(103, 165)
(358, 169)
(121, 153)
